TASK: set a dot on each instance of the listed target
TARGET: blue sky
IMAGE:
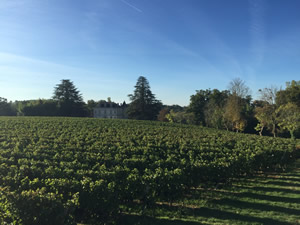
(180, 46)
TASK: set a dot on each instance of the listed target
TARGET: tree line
(276, 112)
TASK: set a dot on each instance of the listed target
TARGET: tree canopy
(144, 105)
(276, 112)
(69, 98)
(239, 88)
(6, 108)
(290, 94)
(289, 117)
(67, 92)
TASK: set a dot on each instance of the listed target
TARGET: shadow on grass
(272, 189)
(246, 194)
(203, 212)
(217, 199)
(256, 206)
(249, 192)
(292, 175)
(281, 183)
(207, 212)
(224, 215)
(269, 197)
(288, 179)
(146, 220)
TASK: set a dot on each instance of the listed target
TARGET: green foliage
(162, 116)
(197, 105)
(67, 92)
(214, 109)
(66, 170)
(289, 117)
(268, 198)
(6, 109)
(91, 104)
(69, 99)
(180, 117)
(290, 94)
(234, 114)
(238, 110)
(220, 109)
(267, 118)
(41, 107)
(143, 104)
(230, 109)
(35, 207)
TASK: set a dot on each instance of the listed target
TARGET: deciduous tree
(266, 113)
(162, 115)
(181, 117)
(6, 108)
(237, 106)
(239, 88)
(289, 117)
(290, 94)
(234, 118)
(197, 105)
(214, 109)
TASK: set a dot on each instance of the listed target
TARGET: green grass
(272, 198)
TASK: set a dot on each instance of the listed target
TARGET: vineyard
(81, 170)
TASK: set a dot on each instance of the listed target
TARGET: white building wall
(107, 112)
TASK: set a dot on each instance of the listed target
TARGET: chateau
(110, 110)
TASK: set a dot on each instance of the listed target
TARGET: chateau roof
(110, 105)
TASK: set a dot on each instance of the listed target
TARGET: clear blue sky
(180, 46)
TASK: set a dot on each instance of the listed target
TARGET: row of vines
(69, 170)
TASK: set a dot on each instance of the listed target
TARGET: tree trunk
(292, 134)
(274, 130)
(261, 130)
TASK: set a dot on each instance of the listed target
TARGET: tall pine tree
(144, 105)
(69, 98)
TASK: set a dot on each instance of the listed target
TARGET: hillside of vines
(83, 170)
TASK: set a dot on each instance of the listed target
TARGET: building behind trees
(110, 110)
